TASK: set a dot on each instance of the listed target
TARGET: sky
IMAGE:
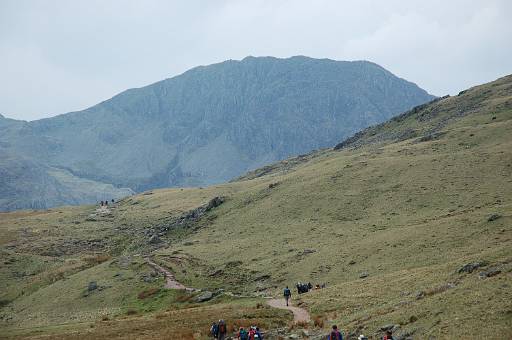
(58, 56)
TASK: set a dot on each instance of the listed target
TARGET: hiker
(214, 330)
(223, 330)
(252, 332)
(335, 334)
(389, 335)
(287, 294)
(302, 287)
(258, 335)
(242, 334)
(106, 202)
(113, 200)
(101, 203)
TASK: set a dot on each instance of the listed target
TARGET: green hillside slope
(387, 220)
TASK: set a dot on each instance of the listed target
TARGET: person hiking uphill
(242, 334)
(335, 334)
(258, 334)
(223, 330)
(389, 335)
(214, 330)
(287, 294)
(252, 333)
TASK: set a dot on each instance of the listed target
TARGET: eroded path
(170, 280)
(299, 314)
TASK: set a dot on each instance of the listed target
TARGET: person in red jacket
(389, 335)
(223, 330)
(252, 332)
(335, 334)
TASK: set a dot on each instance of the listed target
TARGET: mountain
(208, 125)
(407, 222)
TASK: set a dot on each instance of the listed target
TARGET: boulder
(154, 239)
(387, 327)
(493, 217)
(215, 202)
(420, 295)
(92, 286)
(205, 296)
(363, 275)
(273, 185)
(217, 272)
(470, 267)
(489, 273)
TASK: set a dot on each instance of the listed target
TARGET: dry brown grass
(439, 289)
(131, 312)
(96, 259)
(302, 324)
(56, 276)
(318, 321)
(184, 296)
(148, 293)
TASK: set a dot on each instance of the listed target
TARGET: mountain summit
(205, 126)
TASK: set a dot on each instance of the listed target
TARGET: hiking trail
(170, 280)
(102, 210)
(299, 314)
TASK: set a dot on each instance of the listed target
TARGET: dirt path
(170, 282)
(299, 314)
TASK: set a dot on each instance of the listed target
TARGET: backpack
(243, 335)
(221, 329)
(287, 292)
(214, 330)
(334, 335)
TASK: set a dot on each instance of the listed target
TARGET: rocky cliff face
(211, 123)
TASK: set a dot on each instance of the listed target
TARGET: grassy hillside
(386, 220)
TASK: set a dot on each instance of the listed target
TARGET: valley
(408, 223)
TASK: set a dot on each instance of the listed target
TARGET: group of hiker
(219, 330)
(301, 288)
(105, 203)
(337, 335)
(306, 287)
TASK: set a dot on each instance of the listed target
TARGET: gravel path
(170, 282)
(299, 314)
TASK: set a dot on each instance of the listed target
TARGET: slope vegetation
(408, 223)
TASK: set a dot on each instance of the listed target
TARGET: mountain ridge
(212, 123)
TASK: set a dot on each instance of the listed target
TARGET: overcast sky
(61, 56)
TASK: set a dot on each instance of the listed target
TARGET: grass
(407, 211)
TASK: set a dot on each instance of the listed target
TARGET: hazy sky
(60, 56)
